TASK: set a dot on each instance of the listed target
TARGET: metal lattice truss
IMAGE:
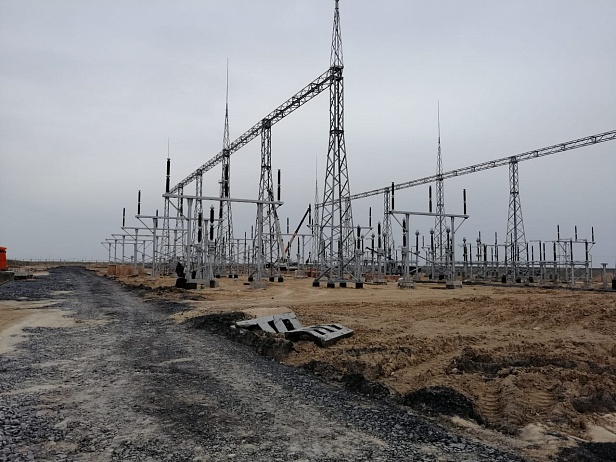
(562, 147)
(224, 250)
(311, 90)
(272, 246)
(337, 218)
(225, 255)
(337, 244)
(516, 238)
(440, 251)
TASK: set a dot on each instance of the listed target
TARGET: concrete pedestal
(258, 285)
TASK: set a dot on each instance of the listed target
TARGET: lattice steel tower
(440, 226)
(224, 247)
(516, 239)
(273, 247)
(336, 224)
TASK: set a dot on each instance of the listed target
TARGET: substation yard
(532, 368)
(97, 368)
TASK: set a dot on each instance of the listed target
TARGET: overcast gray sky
(91, 91)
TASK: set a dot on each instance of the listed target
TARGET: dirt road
(121, 381)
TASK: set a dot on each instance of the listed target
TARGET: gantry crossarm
(311, 90)
(567, 146)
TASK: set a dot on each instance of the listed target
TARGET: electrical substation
(195, 237)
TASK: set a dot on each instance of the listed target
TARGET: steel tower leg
(336, 225)
(516, 238)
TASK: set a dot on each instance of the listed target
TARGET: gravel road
(125, 383)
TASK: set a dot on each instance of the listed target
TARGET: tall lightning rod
(439, 221)
(224, 250)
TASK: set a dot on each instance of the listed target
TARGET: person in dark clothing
(179, 270)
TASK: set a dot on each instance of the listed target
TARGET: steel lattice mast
(516, 238)
(224, 247)
(336, 224)
(196, 227)
(273, 246)
(439, 221)
(165, 243)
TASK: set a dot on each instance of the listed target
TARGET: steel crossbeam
(311, 90)
(561, 147)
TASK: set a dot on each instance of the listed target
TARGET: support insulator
(464, 200)
(168, 175)
(393, 191)
(554, 251)
(124, 217)
(532, 252)
(212, 223)
(370, 217)
(279, 186)
(430, 199)
(543, 251)
(226, 185)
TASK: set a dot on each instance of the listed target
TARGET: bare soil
(532, 367)
(123, 382)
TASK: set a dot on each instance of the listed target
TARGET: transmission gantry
(336, 241)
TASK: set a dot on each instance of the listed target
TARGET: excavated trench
(433, 401)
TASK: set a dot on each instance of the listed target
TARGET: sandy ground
(538, 364)
(15, 316)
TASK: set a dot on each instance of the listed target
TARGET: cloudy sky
(90, 93)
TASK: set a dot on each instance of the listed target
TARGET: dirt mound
(442, 401)
(476, 362)
(589, 452)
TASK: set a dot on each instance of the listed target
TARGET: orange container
(3, 264)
